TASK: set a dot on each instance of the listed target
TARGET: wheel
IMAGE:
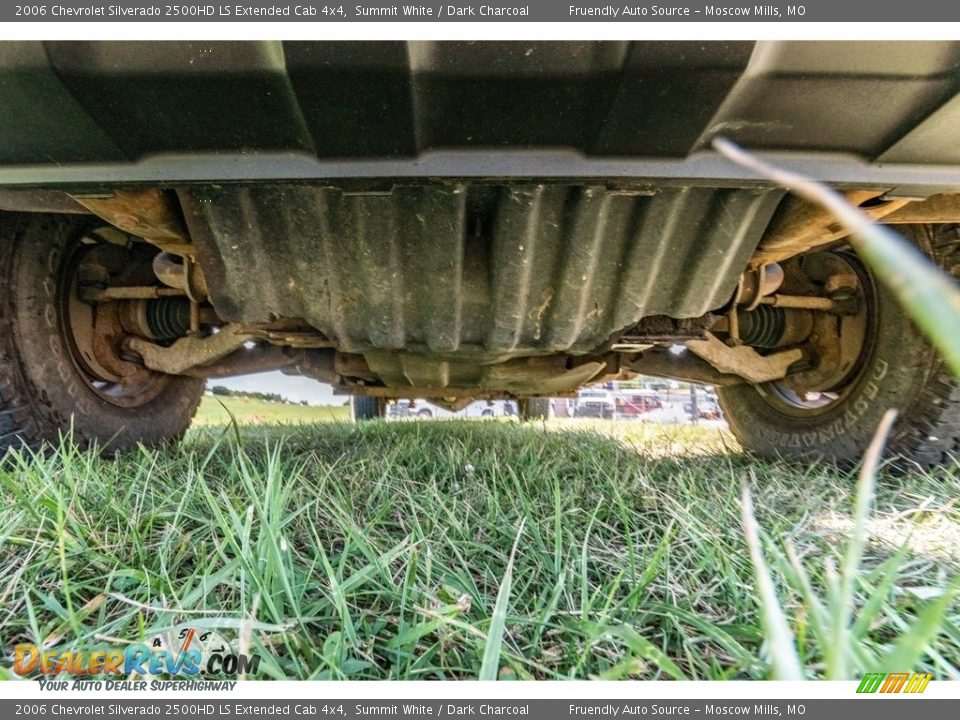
(488, 413)
(365, 407)
(424, 413)
(895, 367)
(534, 408)
(61, 368)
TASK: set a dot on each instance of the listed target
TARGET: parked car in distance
(408, 409)
(634, 403)
(489, 409)
(404, 408)
(707, 409)
(594, 403)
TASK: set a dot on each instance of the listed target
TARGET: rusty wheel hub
(94, 331)
(839, 343)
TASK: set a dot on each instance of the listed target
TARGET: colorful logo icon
(894, 683)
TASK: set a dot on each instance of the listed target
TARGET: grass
(248, 411)
(457, 549)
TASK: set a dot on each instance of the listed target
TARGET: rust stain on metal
(150, 213)
(937, 209)
(800, 225)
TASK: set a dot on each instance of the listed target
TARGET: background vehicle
(491, 409)
(634, 403)
(409, 409)
(485, 409)
(707, 409)
(470, 221)
(594, 403)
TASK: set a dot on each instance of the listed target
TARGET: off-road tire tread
(927, 432)
(28, 417)
(931, 427)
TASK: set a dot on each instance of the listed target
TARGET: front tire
(46, 386)
(899, 369)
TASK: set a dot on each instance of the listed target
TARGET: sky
(292, 387)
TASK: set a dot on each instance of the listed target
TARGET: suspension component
(743, 360)
(166, 318)
(769, 326)
(181, 273)
(757, 283)
(149, 213)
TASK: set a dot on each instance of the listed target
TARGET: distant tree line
(265, 397)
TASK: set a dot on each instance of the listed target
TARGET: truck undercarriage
(462, 221)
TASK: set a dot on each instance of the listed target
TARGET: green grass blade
(838, 649)
(783, 653)
(490, 667)
(646, 650)
(913, 643)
